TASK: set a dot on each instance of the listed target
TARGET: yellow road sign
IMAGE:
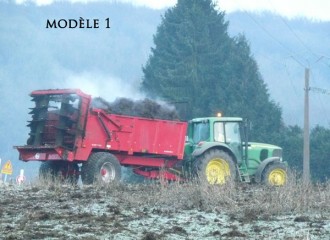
(7, 168)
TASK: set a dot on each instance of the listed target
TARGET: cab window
(201, 131)
(219, 135)
(232, 132)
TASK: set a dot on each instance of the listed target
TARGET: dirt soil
(96, 212)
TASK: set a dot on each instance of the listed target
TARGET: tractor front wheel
(216, 167)
(275, 175)
(101, 167)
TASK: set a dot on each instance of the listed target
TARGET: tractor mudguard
(208, 145)
(263, 165)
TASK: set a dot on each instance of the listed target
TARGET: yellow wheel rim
(277, 177)
(217, 170)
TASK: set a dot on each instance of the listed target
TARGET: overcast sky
(313, 9)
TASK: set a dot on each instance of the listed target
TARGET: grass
(251, 200)
(115, 205)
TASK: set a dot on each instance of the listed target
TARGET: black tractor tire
(275, 174)
(215, 167)
(64, 172)
(101, 167)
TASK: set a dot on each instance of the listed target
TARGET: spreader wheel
(216, 167)
(48, 170)
(64, 172)
(101, 167)
(275, 175)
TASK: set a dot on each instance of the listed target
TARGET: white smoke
(113, 90)
(99, 85)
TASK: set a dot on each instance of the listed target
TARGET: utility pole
(306, 160)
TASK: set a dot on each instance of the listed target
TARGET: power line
(293, 87)
(290, 78)
(326, 64)
(292, 53)
(308, 48)
(279, 62)
(290, 115)
(320, 57)
(297, 37)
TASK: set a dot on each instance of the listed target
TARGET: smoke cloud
(116, 96)
(99, 85)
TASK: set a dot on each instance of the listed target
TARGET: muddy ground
(140, 211)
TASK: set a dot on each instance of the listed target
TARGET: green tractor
(215, 151)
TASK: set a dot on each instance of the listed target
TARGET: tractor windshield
(232, 132)
(201, 131)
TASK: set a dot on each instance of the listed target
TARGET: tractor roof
(218, 119)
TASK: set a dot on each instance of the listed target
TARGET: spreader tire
(215, 167)
(70, 173)
(64, 172)
(101, 167)
(275, 175)
(48, 170)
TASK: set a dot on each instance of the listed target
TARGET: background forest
(202, 58)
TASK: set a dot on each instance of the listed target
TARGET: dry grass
(295, 197)
(157, 209)
(249, 199)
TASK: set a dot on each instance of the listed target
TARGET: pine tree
(195, 61)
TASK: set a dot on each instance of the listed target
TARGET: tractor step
(243, 177)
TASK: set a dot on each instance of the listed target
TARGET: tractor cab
(216, 131)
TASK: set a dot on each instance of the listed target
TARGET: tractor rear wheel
(216, 167)
(59, 171)
(101, 167)
(275, 175)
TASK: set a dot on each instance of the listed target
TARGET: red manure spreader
(66, 131)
